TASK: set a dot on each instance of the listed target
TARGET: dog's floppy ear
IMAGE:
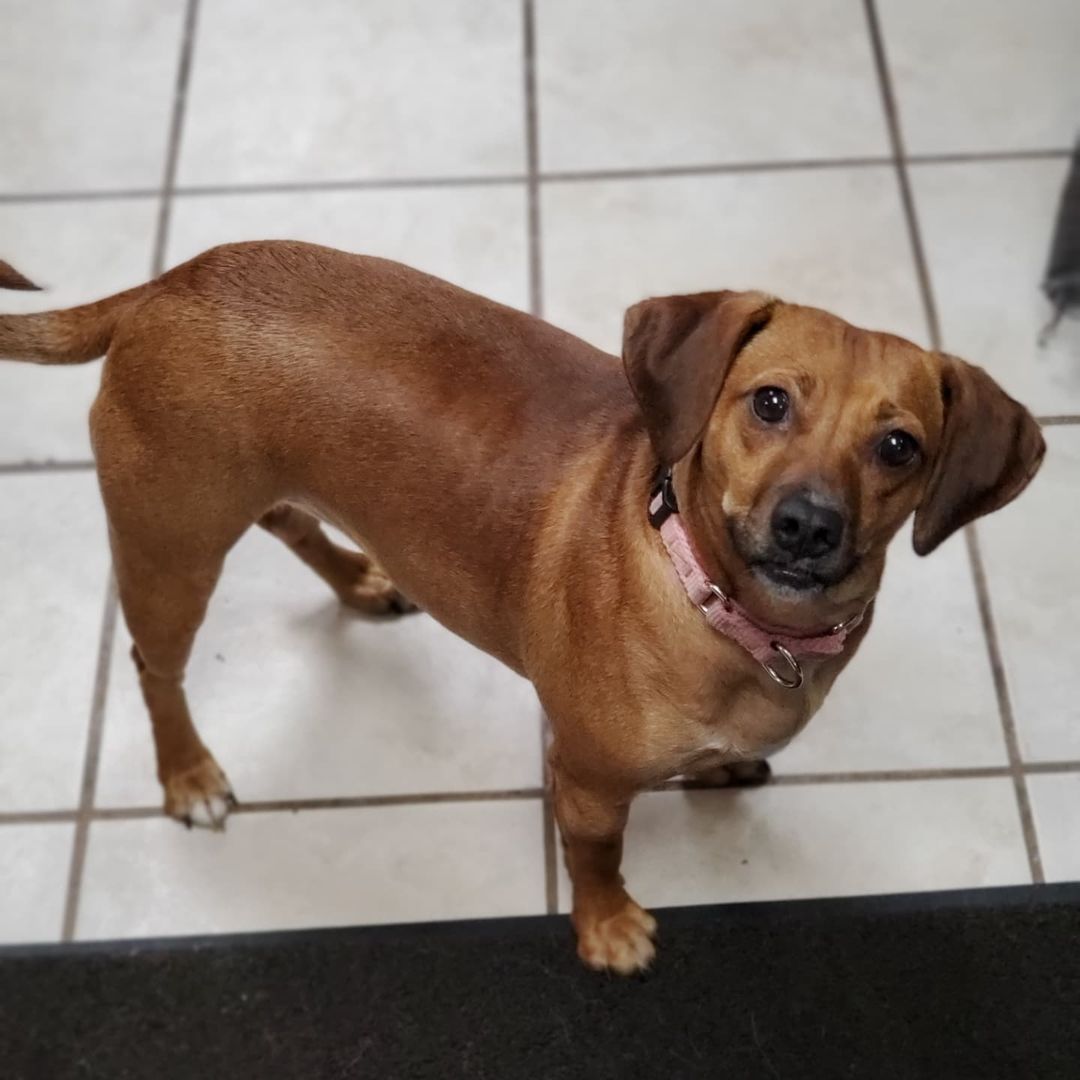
(991, 447)
(676, 352)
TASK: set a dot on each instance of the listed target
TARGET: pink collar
(767, 645)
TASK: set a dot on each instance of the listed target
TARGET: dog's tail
(71, 336)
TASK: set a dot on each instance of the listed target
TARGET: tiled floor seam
(536, 307)
(108, 628)
(1058, 421)
(91, 760)
(176, 134)
(907, 198)
(551, 837)
(19, 468)
(1008, 720)
(362, 802)
(532, 152)
(555, 176)
(888, 95)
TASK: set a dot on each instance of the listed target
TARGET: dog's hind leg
(358, 580)
(165, 581)
(171, 524)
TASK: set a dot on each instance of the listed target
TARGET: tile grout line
(865, 776)
(19, 198)
(314, 187)
(967, 157)
(1043, 768)
(38, 817)
(108, 623)
(1008, 719)
(366, 802)
(726, 168)
(532, 152)
(273, 806)
(551, 842)
(887, 776)
(1001, 689)
(536, 307)
(343, 802)
(17, 468)
(176, 128)
(892, 119)
(557, 176)
(91, 760)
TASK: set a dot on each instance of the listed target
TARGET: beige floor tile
(1031, 565)
(833, 840)
(317, 868)
(1055, 801)
(355, 89)
(53, 570)
(636, 84)
(473, 236)
(834, 238)
(978, 75)
(86, 93)
(78, 252)
(919, 694)
(34, 863)
(987, 229)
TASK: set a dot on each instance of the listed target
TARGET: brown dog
(500, 471)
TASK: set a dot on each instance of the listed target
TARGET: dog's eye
(771, 404)
(898, 448)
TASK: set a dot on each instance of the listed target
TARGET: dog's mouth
(799, 578)
(790, 577)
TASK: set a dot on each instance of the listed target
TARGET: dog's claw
(401, 605)
(200, 796)
(217, 820)
(622, 942)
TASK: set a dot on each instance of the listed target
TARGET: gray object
(1062, 281)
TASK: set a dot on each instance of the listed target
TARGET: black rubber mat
(977, 984)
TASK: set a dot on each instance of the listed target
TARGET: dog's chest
(750, 725)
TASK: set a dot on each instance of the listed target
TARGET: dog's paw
(200, 796)
(734, 774)
(377, 601)
(375, 594)
(621, 942)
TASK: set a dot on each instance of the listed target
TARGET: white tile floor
(393, 772)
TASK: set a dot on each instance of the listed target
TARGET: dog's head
(802, 443)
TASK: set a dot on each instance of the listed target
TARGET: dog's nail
(215, 820)
(186, 819)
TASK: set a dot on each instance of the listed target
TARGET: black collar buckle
(662, 502)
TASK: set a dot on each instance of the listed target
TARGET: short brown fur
(495, 471)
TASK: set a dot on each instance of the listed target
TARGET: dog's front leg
(613, 931)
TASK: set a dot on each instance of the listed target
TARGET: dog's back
(269, 371)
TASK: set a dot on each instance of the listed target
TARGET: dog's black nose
(806, 529)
